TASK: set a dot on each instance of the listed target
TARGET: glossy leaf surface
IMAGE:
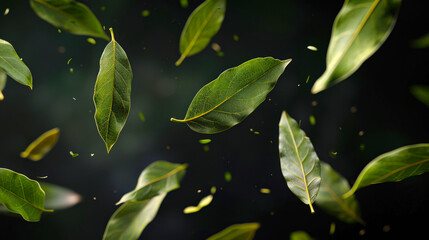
(421, 92)
(359, 29)
(142, 204)
(13, 66)
(42, 145)
(69, 15)
(299, 162)
(203, 23)
(236, 93)
(112, 93)
(3, 79)
(21, 195)
(244, 231)
(329, 198)
(394, 166)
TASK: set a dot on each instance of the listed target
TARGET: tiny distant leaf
(203, 23)
(142, 118)
(235, 94)
(74, 154)
(394, 166)
(3, 79)
(421, 42)
(145, 13)
(329, 198)
(91, 41)
(21, 195)
(203, 203)
(13, 66)
(42, 145)
(112, 93)
(312, 48)
(142, 204)
(299, 162)
(228, 177)
(69, 15)
(421, 92)
(300, 235)
(360, 28)
(265, 190)
(244, 231)
(205, 141)
(235, 37)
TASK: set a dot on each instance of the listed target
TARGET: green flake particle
(145, 13)
(184, 3)
(213, 190)
(312, 48)
(206, 148)
(228, 176)
(142, 118)
(68, 62)
(312, 120)
(204, 141)
(235, 37)
(91, 41)
(73, 154)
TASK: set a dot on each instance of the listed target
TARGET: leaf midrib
(23, 199)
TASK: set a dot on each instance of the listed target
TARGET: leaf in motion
(329, 198)
(12, 65)
(203, 203)
(421, 42)
(421, 92)
(299, 162)
(58, 197)
(142, 204)
(42, 145)
(244, 231)
(112, 93)
(203, 23)
(360, 28)
(21, 195)
(3, 79)
(237, 92)
(394, 166)
(300, 235)
(69, 15)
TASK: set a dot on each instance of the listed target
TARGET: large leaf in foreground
(203, 23)
(42, 145)
(12, 65)
(299, 162)
(237, 92)
(394, 166)
(21, 195)
(244, 231)
(142, 204)
(360, 28)
(3, 78)
(112, 93)
(329, 198)
(69, 15)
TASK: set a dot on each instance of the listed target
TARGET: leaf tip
(111, 34)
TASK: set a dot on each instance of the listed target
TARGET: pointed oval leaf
(69, 15)
(12, 65)
(21, 195)
(299, 162)
(329, 198)
(3, 79)
(421, 92)
(112, 93)
(203, 23)
(157, 178)
(360, 28)
(236, 93)
(42, 145)
(244, 231)
(138, 211)
(394, 166)
(58, 197)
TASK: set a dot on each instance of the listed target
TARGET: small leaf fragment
(228, 176)
(265, 190)
(204, 141)
(91, 41)
(42, 145)
(142, 118)
(244, 231)
(203, 203)
(73, 154)
(312, 48)
(145, 13)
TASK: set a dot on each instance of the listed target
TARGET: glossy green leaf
(42, 145)
(142, 204)
(300, 235)
(58, 197)
(299, 162)
(21, 195)
(237, 92)
(3, 79)
(12, 65)
(203, 23)
(360, 28)
(329, 198)
(394, 166)
(421, 92)
(244, 231)
(112, 93)
(69, 15)
(157, 178)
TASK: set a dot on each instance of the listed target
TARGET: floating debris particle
(91, 41)
(361, 133)
(68, 62)
(6, 11)
(92, 154)
(73, 154)
(199, 191)
(206, 148)
(235, 37)
(74, 98)
(256, 132)
(386, 228)
(308, 78)
(213, 190)
(203, 203)
(265, 190)
(168, 148)
(362, 146)
(61, 49)
(94, 198)
(228, 176)
(103, 8)
(312, 48)
(142, 118)
(332, 228)
(353, 109)
(314, 103)
(216, 47)
(184, 3)
(204, 141)
(43, 177)
(71, 70)
(362, 232)
(312, 120)
(59, 30)
(220, 54)
(145, 13)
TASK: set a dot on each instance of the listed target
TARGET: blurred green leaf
(203, 23)
(42, 145)
(3, 79)
(300, 235)
(299, 162)
(421, 42)
(421, 92)
(236, 93)
(244, 231)
(360, 28)
(112, 93)
(69, 15)
(13, 66)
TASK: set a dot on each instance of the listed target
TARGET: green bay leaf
(299, 162)
(13, 66)
(69, 15)
(112, 93)
(359, 29)
(42, 145)
(329, 198)
(394, 166)
(21, 195)
(244, 231)
(236, 93)
(203, 23)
